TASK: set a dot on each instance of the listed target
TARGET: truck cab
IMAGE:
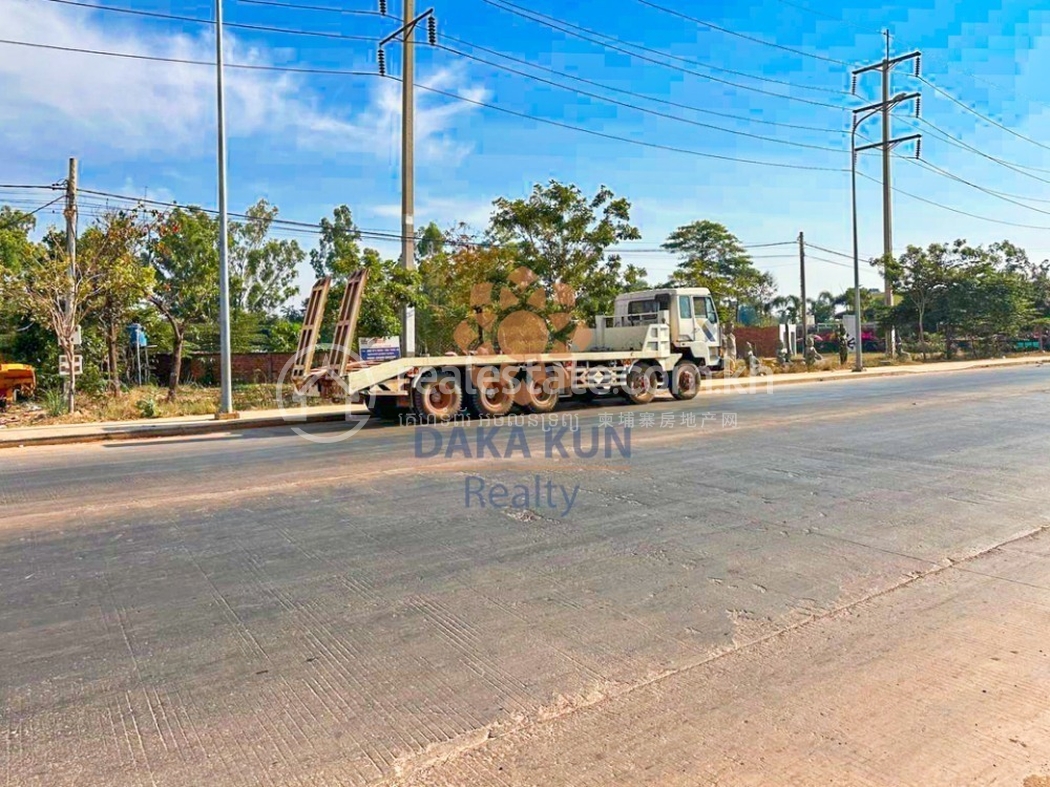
(696, 332)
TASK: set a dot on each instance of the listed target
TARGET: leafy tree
(920, 276)
(824, 306)
(787, 308)
(262, 269)
(714, 258)
(15, 249)
(562, 235)
(53, 294)
(126, 282)
(389, 286)
(184, 256)
(281, 335)
(449, 267)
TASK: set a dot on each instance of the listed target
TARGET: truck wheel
(437, 397)
(543, 394)
(492, 394)
(685, 381)
(641, 383)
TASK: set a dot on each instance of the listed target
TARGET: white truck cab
(690, 311)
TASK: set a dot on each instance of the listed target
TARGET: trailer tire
(542, 395)
(491, 395)
(437, 396)
(642, 382)
(685, 381)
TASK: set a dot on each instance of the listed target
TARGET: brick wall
(204, 367)
(764, 340)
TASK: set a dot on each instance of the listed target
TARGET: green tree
(449, 267)
(15, 249)
(183, 253)
(126, 283)
(562, 235)
(920, 277)
(263, 270)
(713, 257)
(389, 286)
(62, 296)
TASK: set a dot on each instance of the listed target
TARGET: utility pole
(225, 364)
(802, 279)
(408, 174)
(408, 147)
(886, 105)
(859, 116)
(71, 252)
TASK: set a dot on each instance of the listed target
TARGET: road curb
(146, 432)
(878, 371)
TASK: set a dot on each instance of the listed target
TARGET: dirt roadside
(940, 682)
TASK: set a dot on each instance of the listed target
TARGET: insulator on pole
(918, 106)
(918, 148)
(381, 57)
(382, 7)
(432, 30)
(853, 85)
(918, 65)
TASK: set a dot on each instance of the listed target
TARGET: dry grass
(144, 402)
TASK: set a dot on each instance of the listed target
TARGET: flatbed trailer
(635, 360)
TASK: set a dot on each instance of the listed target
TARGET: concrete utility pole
(802, 279)
(225, 364)
(408, 174)
(408, 147)
(887, 189)
(71, 253)
(885, 67)
(859, 116)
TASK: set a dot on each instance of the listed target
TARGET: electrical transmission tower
(885, 107)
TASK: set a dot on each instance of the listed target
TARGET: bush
(148, 407)
(54, 402)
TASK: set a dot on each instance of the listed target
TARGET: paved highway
(844, 583)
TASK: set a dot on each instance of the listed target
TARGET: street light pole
(225, 365)
(858, 363)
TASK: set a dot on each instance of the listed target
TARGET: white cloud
(135, 107)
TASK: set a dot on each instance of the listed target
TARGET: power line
(185, 61)
(200, 21)
(628, 105)
(624, 91)
(744, 36)
(873, 31)
(956, 142)
(642, 143)
(304, 7)
(973, 111)
(957, 210)
(672, 56)
(446, 94)
(572, 29)
(829, 262)
(16, 187)
(964, 181)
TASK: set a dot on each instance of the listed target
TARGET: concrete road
(845, 583)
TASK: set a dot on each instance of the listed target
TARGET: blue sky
(307, 142)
